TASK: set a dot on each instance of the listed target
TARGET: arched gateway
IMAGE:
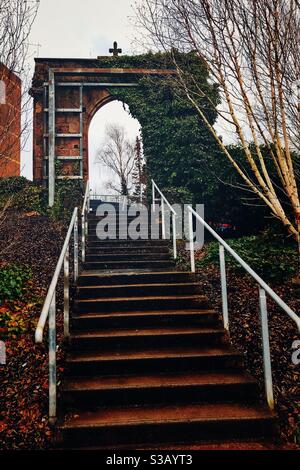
(67, 93)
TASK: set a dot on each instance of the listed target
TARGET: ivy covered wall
(182, 156)
(177, 145)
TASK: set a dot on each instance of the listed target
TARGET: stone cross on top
(115, 51)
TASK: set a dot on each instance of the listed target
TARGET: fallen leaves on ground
(34, 241)
(244, 322)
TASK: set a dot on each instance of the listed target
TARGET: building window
(2, 92)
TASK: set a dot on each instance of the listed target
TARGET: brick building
(10, 122)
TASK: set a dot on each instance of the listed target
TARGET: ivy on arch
(177, 145)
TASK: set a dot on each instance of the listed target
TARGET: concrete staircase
(150, 364)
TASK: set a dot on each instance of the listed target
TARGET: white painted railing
(114, 198)
(118, 199)
(84, 220)
(162, 200)
(264, 290)
(49, 308)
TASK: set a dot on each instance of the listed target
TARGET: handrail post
(52, 360)
(266, 347)
(89, 198)
(174, 236)
(153, 197)
(191, 237)
(87, 207)
(76, 270)
(66, 295)
(163, 219)
(86, 223)
(84, 220)
(83, 236)
(224, 287)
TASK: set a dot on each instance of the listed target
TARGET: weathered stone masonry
(90, 74)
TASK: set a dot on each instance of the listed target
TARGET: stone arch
(67, 93)
(95, 104)
(112, 111)
(99, 104)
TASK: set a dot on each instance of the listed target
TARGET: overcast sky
(76, 28)
(87, 28)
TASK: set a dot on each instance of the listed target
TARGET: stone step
(119, 235)
(166, 336)
(122, 221)
(138, 319)
(212, 445)
(90, 278)
(167, 423)
(90, 393)
(160, 359)
(136, 256)
(93, 217)
(141, 303)
(138, 264)
(123, 232)
(90, 292)
(98, 249)
(94, 241)
(144, 230)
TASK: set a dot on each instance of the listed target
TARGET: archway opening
(104, 178)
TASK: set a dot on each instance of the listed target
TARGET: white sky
(73, 28)
(100, 174)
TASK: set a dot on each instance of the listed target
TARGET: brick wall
(68, 97)
(10, 123)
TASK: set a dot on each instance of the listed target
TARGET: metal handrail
(155, 187)
(119, 199)
(49, 308)
(163, 200)
(86, 198)
(263, 289)
(250, 271)
(263, 286)
(39, 332)
(84, 220)
(108, 197)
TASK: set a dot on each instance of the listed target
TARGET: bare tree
(118, 153)
(139, 170)
(251, 49)
(16, 20)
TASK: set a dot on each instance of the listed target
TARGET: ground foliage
(245, 327)
(33, 242)
(13, 280)
(273, 257)
(20, 193)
